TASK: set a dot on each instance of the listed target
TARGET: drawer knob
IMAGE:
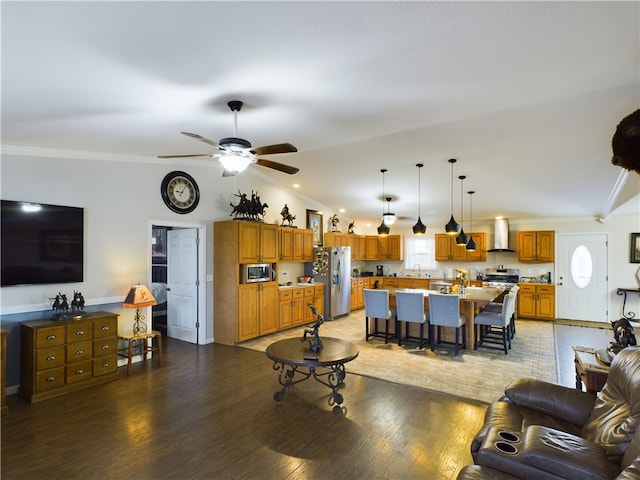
(80, 332)
(51, 379)
(79, 352)
(51, 357)
(79, 371)
(105, 328)
(105, 365)
(105, 347)
(51, 337)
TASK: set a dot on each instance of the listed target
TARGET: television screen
(40, 244)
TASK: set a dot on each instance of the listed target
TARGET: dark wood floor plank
(209, 413)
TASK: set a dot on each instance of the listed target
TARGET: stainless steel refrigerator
(332, 266)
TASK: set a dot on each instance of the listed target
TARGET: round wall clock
(180, 192)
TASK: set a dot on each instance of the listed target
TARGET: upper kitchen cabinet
(536, 246)
(257, 242)
(390, 247)
(296, 245)
(448, 250)
(336, 239)
(370, 248)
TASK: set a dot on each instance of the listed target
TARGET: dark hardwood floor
(208, 412)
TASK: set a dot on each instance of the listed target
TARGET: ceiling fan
(236, 154)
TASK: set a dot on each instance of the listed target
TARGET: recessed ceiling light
(296, 185)
(342, 210)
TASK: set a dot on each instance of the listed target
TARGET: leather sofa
(540, 430)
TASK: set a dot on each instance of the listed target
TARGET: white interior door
(182, 284)
(582, 282)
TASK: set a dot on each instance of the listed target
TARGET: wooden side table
(589, 370)
(137, 344)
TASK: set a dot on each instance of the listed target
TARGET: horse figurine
(77, 304)
(286, 215)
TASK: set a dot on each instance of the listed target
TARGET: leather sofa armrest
(558, 401)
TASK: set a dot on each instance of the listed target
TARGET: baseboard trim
(583, 323)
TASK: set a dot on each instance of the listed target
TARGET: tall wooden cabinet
(243, 311)
(536, 246)
(296, 245)
(59, 357)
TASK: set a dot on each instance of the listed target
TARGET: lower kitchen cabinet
(291, 307)
(536, 301)
(313, 295)
(257, 309)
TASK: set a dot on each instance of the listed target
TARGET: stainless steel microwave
(255, 272)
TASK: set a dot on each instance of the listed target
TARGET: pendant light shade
(461, 239)
(452, 228)
(383, 229)
(419, 228)
(471, 245)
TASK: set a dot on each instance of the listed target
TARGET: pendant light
(462, 239)
(471, 245)
(452, 228)
(419, 228)
(383, 229)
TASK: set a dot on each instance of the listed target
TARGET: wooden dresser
(3, 372)
(59, 357)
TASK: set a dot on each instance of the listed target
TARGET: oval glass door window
(581, 266)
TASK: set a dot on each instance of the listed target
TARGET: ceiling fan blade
(202, 139)
(271, 149)
(186, 156)
(277, 166)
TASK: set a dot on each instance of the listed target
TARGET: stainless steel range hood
(501, 243)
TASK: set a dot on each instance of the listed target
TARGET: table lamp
(139, 296)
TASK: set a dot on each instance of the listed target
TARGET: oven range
(501, 277)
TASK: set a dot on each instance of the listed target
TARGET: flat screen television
(40, 243)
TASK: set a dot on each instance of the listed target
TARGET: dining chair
(410, 309)
(376, 307)
(497, 307)
(494, 327)
(444, 311)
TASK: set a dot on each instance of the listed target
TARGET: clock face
(180, 192)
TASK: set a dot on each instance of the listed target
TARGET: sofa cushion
(551, 399)
(616, 415)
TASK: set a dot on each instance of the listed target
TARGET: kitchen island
(471, 302)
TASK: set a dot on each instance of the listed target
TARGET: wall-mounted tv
(40, 243)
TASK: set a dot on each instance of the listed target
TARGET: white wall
(121, 198)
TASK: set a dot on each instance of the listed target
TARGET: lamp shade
(139, 296)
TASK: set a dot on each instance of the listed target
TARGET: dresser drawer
(49, 379)
(298, 292)
(47, 337)
(105, 346)
(79, 371)
(79, 351)
(77, 332)
(104, 365)
(285, 295)
(49, 357)
(105, 327)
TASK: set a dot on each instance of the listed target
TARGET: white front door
(182, 284)
(582, 282)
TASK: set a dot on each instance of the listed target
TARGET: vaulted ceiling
(525, 95)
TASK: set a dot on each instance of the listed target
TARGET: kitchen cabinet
(291, 307)
(257, 242)
(313, 295)
(390, 247)
(257, 313)
(242, 311)
(371, 247)
(358, 286)
(448, 250)
(295, 245)
(536, 246)
(536, 301)
(336, 239)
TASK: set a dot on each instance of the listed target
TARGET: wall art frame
(314, 223)
(634, 250)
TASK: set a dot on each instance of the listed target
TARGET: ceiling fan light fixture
(235, 163)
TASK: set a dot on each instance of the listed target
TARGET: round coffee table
(292, 355)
